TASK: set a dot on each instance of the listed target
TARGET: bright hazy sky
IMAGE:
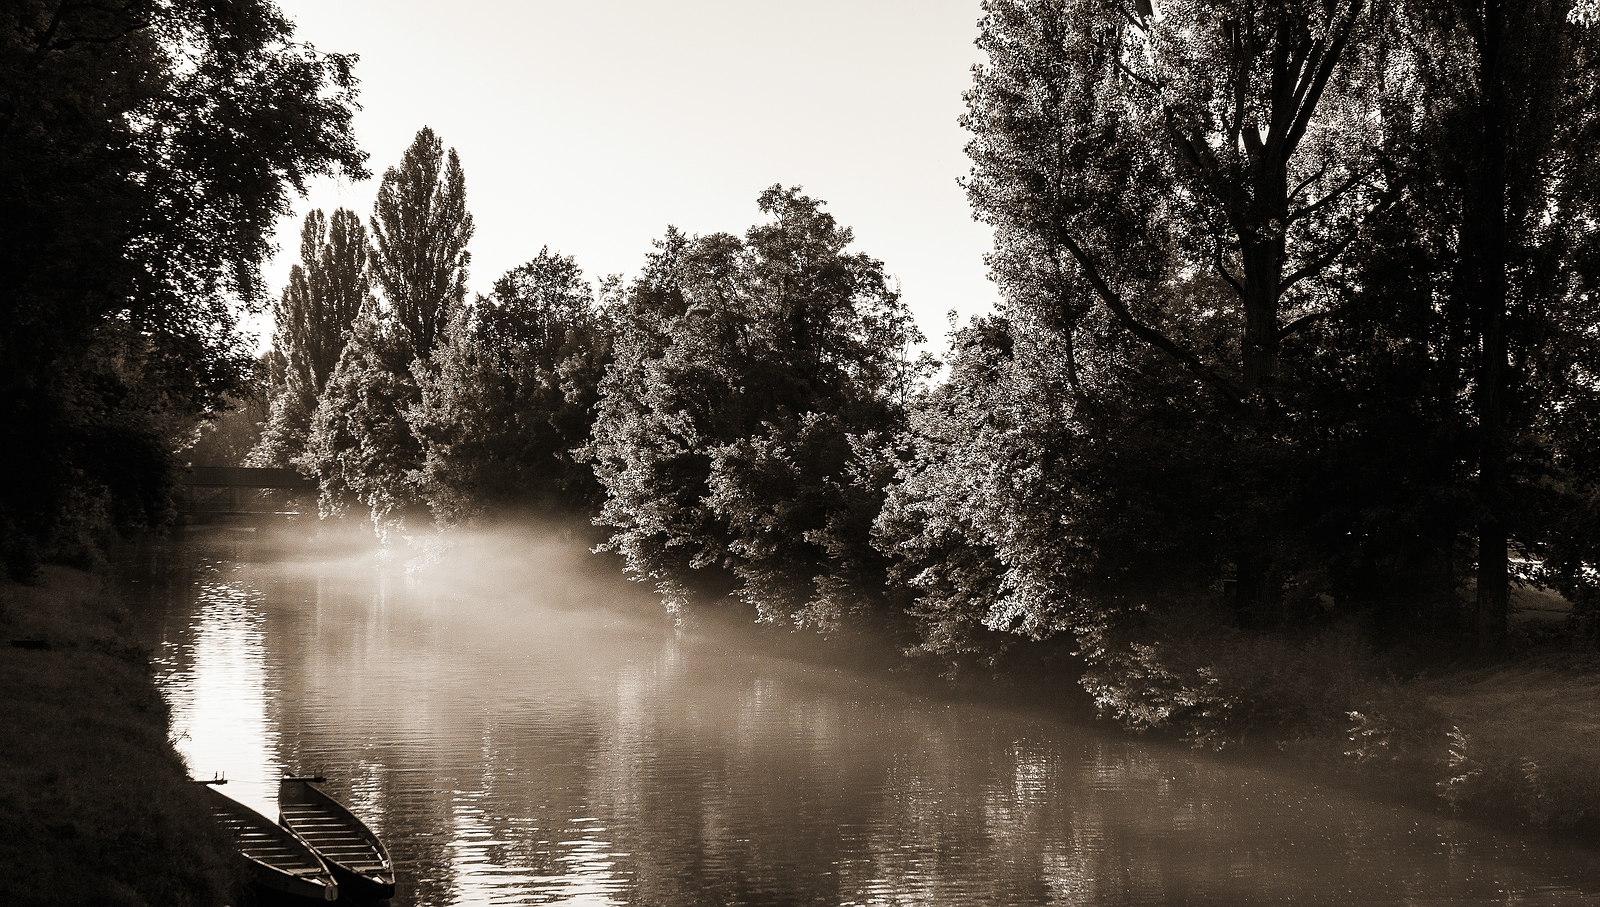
(590, 125)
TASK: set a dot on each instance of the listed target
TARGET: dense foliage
(740, 430)
(362, 446)
(1299, 367)
(313, 319)
(1297, 330)
(146, 150)
(511, 395)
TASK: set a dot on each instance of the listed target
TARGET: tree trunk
(1485, 246)
(1260, 590)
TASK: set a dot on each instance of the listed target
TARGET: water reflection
(521, 729)
(215, 682)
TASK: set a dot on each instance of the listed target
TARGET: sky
(589, 127)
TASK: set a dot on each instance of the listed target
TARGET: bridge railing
(243, 491)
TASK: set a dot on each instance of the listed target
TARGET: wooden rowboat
(359, 861)
(277, 859)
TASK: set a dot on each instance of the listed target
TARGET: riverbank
(95, 805)
(1514, 740)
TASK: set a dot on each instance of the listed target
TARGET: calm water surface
(524, 727)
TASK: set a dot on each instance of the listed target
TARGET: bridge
(207, 492)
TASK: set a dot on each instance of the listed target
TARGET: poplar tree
(312, 323)
(420, 231)
(363, 446)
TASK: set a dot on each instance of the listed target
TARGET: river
(523, 726)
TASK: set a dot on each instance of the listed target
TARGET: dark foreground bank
(95, 806)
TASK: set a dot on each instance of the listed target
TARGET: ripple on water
(522, 731)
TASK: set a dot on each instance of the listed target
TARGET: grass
(95, 805)
(1524, 738)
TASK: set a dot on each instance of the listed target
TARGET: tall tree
(312, 322)
(420, 231)
(128, 229)
(1236, 142)
(363, 446)
(1512, 84)
(740, 428)
(1195, 181)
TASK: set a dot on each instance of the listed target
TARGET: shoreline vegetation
(1287, 396)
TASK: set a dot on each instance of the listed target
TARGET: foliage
(361, 448)
(1248, 238)
(1175, 197)
(420, 231)
(967, 517)
(738, 431)
(1521, 739)
(511, 395)
(312, 320)
(228, 436)
(146, 151)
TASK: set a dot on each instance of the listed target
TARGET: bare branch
(1320, 263)
(1225, 388)
(1309, 94)
(1222, 268)
(1331, 197)
(1307, 320)
(1308, 181)
(1316, 266)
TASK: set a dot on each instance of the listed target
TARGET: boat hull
(275, 859)
(358, 860)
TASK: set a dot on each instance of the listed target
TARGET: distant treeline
(1298, 324)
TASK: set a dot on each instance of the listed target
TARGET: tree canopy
(511, 396)
(738, 431)
(326, 292)
(146, 151)
(420, 231)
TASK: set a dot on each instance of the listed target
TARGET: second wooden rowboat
(359, 861)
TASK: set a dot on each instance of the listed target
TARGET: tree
(129, 230)
(740, 428)
(1513, 87)
(312, 321)
(361, 448)
(973, 518)
(1198, 178)
(512, 395)
(420, 231)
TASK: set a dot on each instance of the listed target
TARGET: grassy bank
(1515, 739)
(95, 807)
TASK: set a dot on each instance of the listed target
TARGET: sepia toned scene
(890, 452)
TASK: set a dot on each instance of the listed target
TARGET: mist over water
(523, 726)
